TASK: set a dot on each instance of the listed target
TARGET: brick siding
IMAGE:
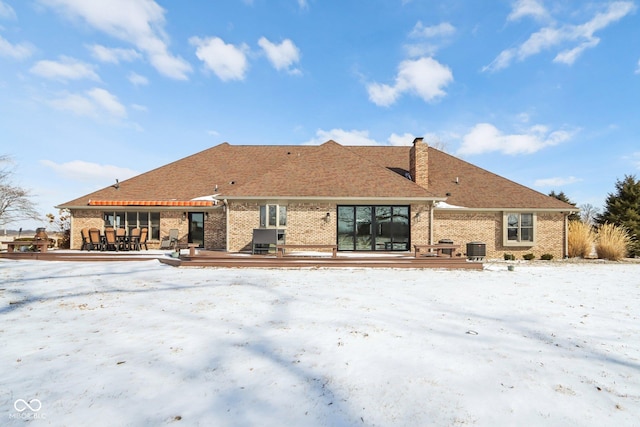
(486, 227)
(307, 223)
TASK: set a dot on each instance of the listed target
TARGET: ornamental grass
(581, 239)
(612, 242)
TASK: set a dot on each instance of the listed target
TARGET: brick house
(380, 198)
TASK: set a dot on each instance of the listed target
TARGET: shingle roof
(329, 170)
(464, 184)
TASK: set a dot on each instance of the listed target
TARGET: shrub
(528, 257)
(509, 257)
(612, 242)
(546, 257)
(581, 239)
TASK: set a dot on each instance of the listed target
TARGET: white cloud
(139, 22)
(16, 51)
(424, 77)
(638, 69)
(405, 139)
(533, 8)
(78, 170)
(6, 11)
(65, 69)
(108, 102)
(227, 61)
(344, 137)
(94, 103)
(113, 55)
(578, 37)
(429, 39)
(570, 56)
(382, 94)
(137, 80)
(77, 104)
(556, 181)
(282, 56)
(441, 30)
(303, 4)
(485, 138)
(361, 137)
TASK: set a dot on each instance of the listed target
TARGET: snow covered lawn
(141, 343)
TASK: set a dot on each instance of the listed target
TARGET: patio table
(122, 240)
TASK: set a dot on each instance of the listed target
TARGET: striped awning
(181, 203)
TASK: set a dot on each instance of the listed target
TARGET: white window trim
(266, 209)
(505, 226)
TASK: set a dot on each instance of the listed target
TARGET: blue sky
(542, 92)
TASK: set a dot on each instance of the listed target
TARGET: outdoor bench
(191, 246)
(281, 248)
(42, 245)
(437, 248)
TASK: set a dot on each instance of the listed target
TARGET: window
(273, 216)
(373, 228)
(131, 220)
(518, 229)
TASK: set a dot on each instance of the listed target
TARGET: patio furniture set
(40, 242)
(114, 239)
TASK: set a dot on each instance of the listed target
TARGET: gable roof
(327, 171)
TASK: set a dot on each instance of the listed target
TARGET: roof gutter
(339, 199)
(505, 209)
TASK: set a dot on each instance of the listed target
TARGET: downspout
(566, 236)
(225, 207)
(431, 205)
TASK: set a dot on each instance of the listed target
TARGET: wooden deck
(204, 258)
(53, 255)
(390, 260)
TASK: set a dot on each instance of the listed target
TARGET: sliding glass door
(373, 228)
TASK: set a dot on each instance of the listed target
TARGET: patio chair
(143, 237)
(121, 239)
(85, 239)
(134, 239)
(95, 240)
(171, 240)
(110, 237)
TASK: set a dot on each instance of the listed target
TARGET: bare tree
(589, 214)
(15, 201)
(62, 226)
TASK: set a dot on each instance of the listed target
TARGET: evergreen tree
(622, 208)
(563, 198)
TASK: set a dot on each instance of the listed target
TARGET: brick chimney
(419, 162)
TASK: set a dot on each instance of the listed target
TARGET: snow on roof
(445, 205)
